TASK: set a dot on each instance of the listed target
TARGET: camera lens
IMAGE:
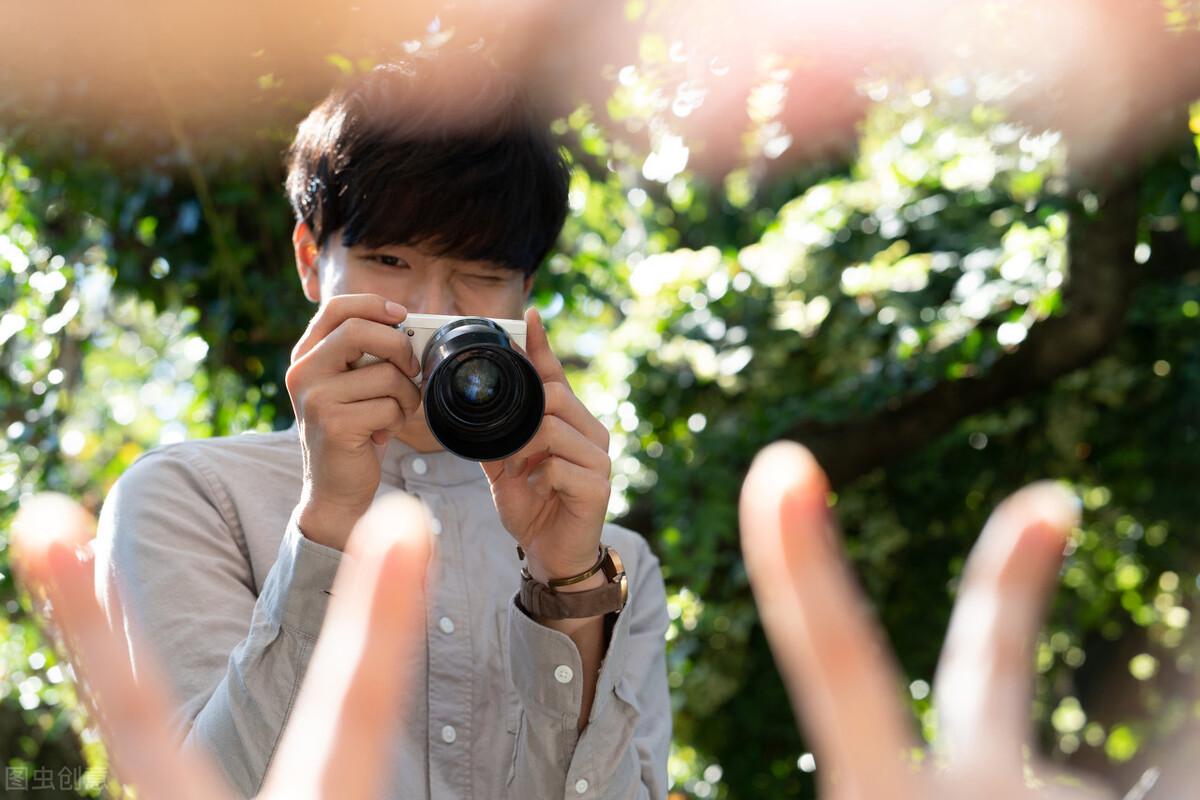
(477, 381)
(483, 399)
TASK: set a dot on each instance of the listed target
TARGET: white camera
(421, 328)
(483, 398)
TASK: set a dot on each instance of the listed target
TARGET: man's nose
(437, 299)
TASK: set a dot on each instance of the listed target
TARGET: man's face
(422, 283)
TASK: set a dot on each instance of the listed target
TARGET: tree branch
(1096, 298)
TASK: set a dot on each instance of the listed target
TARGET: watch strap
(540, 600)
(544, 601)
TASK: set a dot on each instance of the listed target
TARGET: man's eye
(488, 279)
(386, 260)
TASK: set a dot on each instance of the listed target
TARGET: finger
(548, 367)
(562, 403)
(357, 423)
(42, 521)
(984, 682)
(840, 678)
(556, 437)
(570, 480)
(494, 470)
(354, 692)
(376, 380)
(134, 716)
(356, 338)
(341, 308)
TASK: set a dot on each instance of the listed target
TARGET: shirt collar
(439, 467)
(404, 465)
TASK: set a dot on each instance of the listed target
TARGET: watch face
(613, 561)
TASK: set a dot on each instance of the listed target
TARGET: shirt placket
(449, 625)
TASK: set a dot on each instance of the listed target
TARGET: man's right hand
(346, 419)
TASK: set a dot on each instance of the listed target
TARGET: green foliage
(153, 300)
(938, 252)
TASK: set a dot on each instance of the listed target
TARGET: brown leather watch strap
(540, 600)
(543, 601)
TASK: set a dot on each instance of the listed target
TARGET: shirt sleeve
(622, 753)
(172, 573)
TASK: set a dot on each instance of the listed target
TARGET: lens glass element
(476, 381)
(483, 399)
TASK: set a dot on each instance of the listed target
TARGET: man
(222, 552)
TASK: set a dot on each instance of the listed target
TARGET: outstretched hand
(840, 675)
(838, 671)
(351, 693)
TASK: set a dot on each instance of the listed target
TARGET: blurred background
(952, 247)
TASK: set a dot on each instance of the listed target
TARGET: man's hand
(346, 420)
(336, 744)
(840, 676)
(552, 494)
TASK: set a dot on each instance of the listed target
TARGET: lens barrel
(483, 399)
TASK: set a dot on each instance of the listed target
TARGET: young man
(222, 552)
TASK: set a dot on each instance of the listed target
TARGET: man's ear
(307, 253)
(528, 285)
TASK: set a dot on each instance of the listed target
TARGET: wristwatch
(542, 600)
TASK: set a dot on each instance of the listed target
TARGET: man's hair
(443, 153)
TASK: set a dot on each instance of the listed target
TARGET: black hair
(445, 153)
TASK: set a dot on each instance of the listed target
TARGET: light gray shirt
(199, 542)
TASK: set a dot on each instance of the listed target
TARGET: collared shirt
(199, 542)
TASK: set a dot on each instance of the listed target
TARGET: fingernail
(395, 309)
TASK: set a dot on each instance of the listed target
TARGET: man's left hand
(552, 494)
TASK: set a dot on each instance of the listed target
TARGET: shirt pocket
(626, 692)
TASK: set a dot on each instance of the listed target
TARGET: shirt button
(436, 526)
(446, 624)
(563, 674)
(581, 786)
(449, 734)
(419, 466)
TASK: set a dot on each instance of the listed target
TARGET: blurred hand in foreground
(840, 676)
(348, 705)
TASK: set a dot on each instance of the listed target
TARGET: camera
(483, 398)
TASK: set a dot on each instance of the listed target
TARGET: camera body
(420, 329)
(483, 398)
